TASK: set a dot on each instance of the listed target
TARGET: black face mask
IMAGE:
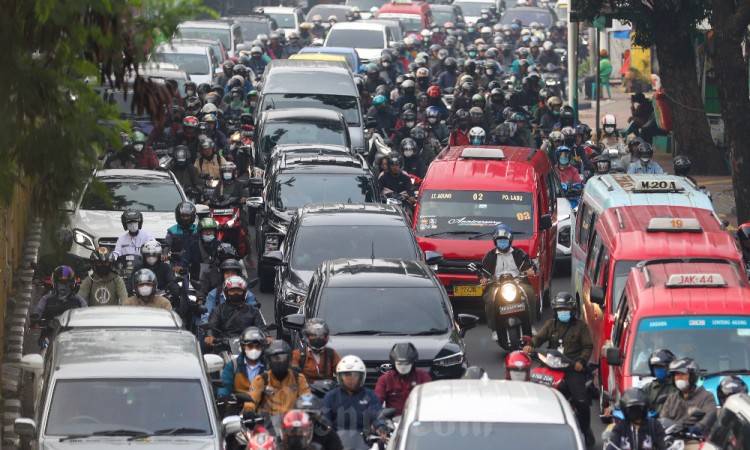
(235, 298)
(318, 343)
(102, 270)
(279, 369)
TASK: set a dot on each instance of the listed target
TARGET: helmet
(686, 365)
(372, 69)
(462, 114)
(634, 404)
(278, 356)
(317, 18)
(477, 135)
(554, 101)
(305, 26)
(408, 145)
(316, 333)
(144, 276)
(609, 120)
(470, 65)
(152, 247)
(569, 134)
(102, 256)
(556, 136)
(226, 251)
(661, 357)
(407, 84)
(502, 231)
(349, 364)
(566, 112)
(297, 429)
(682, 165)
(395, 158)
(207, 143)
(478, 98)
(743, 232)
(547, 45)
(432, 111)
(433, 92)
(209, 108)
(730, 385)
(635, 141)
(131, 216)
(235, 282)
(207, 223)
(262, 441)
(185, 209)
(583, 129)
(422, 72)
(229, 167)
(230, 264)
(404, 357)
(379, 99)
(645, 150)
(63, 278)
(474, 373)
(408, 114)
(563, 300)
(64, 239)
(192, 103)
(310, 404)
(602, 164)
(418, 134)
(518, 366)
(293, 35)
(139, 140)
(502, 130)
(333, 17)
(253, 335)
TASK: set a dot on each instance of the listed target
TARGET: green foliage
(56, 125)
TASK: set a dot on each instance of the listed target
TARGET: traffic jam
(388, 226)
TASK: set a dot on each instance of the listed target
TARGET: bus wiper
(452, 232)
(726, 372)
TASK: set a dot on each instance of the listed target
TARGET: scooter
(573, 192)
(230, 226)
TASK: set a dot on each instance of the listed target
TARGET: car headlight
(271, 243)
(84, 239)
(509, 292)
(450, 360)
(293, 296)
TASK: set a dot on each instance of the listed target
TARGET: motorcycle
(573, 192)
(189, 306)
(553, 80)
(230, 229)
(615, 154)
(125, 266)
(356, 440)
(514, 313)
(377, 145)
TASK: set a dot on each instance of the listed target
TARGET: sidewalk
(720, 186)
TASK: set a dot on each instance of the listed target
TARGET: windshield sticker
(685, 323)
(441, 196)
(464, 222)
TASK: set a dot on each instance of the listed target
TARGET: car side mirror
(214, 363)
(231, 425)
(274, 258)
(255, 202)
(256, 183)
(293, 321)
(545, 222)
(202, 211)
(370, 122)
(433, 258)
(32, 362)
(466, 322)
(614, 358)
(68, 206)
(597, 295)
(25, 427)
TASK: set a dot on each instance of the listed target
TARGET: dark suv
(371, 304)
(318, 233)
(307, 175)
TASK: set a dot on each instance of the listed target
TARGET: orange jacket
(273, 396)
(329, 359)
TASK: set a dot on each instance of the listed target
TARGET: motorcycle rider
(394, 387)
(60, 299)
(131, 242)
(238, 373)
(434, 127)
(144, 154)
(395, 180)
(229, 318)
(477, 136)
(209, 163)
(186, 173)
(662, 385)
(460, 134)
(323, 430)
(632, 155)
(413, 163)
(602, 165)
(152, 253)
(501, 135)
(645, 164)
(228, 268)
(690, 397)
(297, 429)
(124, 159)
(609, 136)
(373, 78)
(60, 255)
(572, 337)
(315, 359)
(351, 406)
(104, 286)
(276, 390)
(743, 236)
(384, 115)
(212, 275)
(565, 171)
(637, 431)
(144, 286)
(180, 235)
(729, 386)
(518, 366)
(200, 250)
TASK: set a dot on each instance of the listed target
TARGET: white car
(196, 57)
(96, 221)
(287, 18)
(368, 39)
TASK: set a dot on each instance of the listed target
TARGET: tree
(56, 125)
(730, 22)
(669, 25)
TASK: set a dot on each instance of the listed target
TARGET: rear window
(412, 22)
(356, 38)
(193, 64)
(527, 16)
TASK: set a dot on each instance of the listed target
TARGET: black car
(307, 175)
(371, 304)
(318, 233)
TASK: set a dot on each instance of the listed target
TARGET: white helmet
(609, 123)
(487, 30)
(476, 136)
(547, 45)
(525, 32)
(351, 363)
(209, 108)
(152, 247)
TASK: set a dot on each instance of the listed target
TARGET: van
(608, 191)
(288, 84)
(625, 235)
(416, 16)
(696, 307)
(469, 190)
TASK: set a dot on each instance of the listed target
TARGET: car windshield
(622, 271)
(252, 28)
(153, 406)
(315, 244)
(345, 104)
(122, 195)
(298, 189)
(279, 133)
(365, 5)
(473, 9)
(387, 310)
(283, 20)
(527, 16)
(356, 38)
(411, 22)
(458, 214)
(485, 435)
(211, 34)
(192, 63)
(717, 343)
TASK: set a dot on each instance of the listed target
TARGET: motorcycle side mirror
(293, 321)
(274, 258)
(214, 363)
(202, 210)
(433, 258)
(252, 283)
(466, 322)
(386, 413)
(614, 358)
(545, 222)
(231, 425)
(254, 202)
(392, 201)
(33, 362)
(255, 182)
(597, 295)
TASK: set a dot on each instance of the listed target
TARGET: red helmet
(743, 232)
(297, 429)
(262, 441)
(190, 122)
(449, 26)
(433, 91)
(518, 366)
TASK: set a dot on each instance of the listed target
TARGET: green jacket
(656, 389)
(575, 335)
(98, 291)
(605, 69)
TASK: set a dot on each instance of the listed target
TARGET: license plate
(511, 308)
(542, 378)
(223, 212)
(467, 291)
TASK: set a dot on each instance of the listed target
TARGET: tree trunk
(732, 75)
(678, 76)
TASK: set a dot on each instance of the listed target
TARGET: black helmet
(64, 239)
(252, 335)
(635, 141)
(372, 69)
(450, 63)
(418, 134)
(470, 65)
(185, 208)
(395, 158)
(602, 164)
(660, 357)
(408, 144)
(181, 155)
(634, 404)
(730, 385)
(686, 365)
(474, 373)
(462, 114)
(566, 112)
(310, 404)
(204, 88)
(409, 115)
(278, 356)
(404, 352)
(682, 165)
(645, 150)
(231, 264)
(563, 300)
(316, 333)
(226, 251)
(131, 216)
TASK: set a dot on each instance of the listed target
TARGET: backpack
(327, 356)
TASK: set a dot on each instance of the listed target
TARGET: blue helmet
(378, 100)
(502, 231)
(561, 149)
(432, 111)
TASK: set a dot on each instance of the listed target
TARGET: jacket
(211, 166)
(216, 297)
(651, 168)
(195, 254)
(231, 319)
(459, 137)
(577, 343)
(275, 396)
(329, 359)
(107, 290)
(234, 376)
(131, 245)
(568, 175)
(357, 411)
(393, 389)
(50, 306)
(519, 256)
(676, 407)
(147, 158)
(188, 176)
(179, 238)
(656, 389)
(650, 435)
(157, 302)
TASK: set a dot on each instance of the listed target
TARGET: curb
(16, 320)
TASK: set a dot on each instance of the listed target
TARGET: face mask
(409, 124)
(318, 343)
(502, 244)
(132, 227)
(63, 291)
(190, 92)
(563, 316)
(555, 113)
(236, 298)
(227, 175)
(181, 162)
(386, 65)
(408, 153)
(432, 120)
(403, 368)
(151, 260)
(682, 385)
(253, 355)
(473, 54)
(660, 373)
(645, 160)
(517, 375)
(609, 130)
(144, 291)
(564, 161)
(138, 147)
(208, 238)
(101, 270)
(476, 141)
(489, 72)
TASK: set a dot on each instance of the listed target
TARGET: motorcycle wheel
(510, 338)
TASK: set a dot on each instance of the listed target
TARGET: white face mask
(432, 120)
(645, 160)
(517, 375)
(682, 385)
(609, 130)
(403, 368)
(132, 227)
(408, 153)
(151, 260)
(138, 147)
(227, 175)
(190, 92)
(253, 355)
(144, 291)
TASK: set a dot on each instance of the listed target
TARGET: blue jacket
(340, 408)
(236, 368)
(651, 168)
(192, 257)
(211, 303)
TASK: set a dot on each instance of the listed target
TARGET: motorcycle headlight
(84, 239)
(509, 292)
(450, 360)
